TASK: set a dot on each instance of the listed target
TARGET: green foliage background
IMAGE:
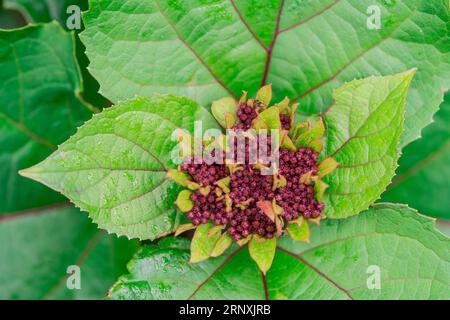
(41, 233)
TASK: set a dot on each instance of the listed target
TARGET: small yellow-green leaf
(262, 251)
(319, 189)
(243, 98)
(244, 241)
(184, 228)
(286, 142)
(298, 129)
(282, 183)
(310, 136)
(327, 166)
(299, 230)
(182, 178)
(293, 111)
(184, 202)
(308, 178)
(271, 117)
(244, 204)
(265, 95)
(279, 181)
(224, 242)
(228, 203)
(259, 124)
(316, 145)
(221, 107)
(214, 230)
(283, 105)
(276, 208)
(230, 120)
(224, 184)
(203, 242)
(204, 191)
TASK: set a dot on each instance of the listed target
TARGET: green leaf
(411, 254)
(38, 245)
(40, 82)
(262, 251)
(204, 241)
(423, 177)
(183, 228)
(182, 178)
(221, 107)
(305, 49)
(184, 202)
(299, 230)
(115, 166)
(327, 167)
(264, 95)
(311, 137)
(271, 117)
(364, 127)
(225, 241)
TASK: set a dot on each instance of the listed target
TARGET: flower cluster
(248, 111)
(241, 197)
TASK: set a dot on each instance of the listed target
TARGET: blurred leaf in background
(39, 245)
(39, 11)
(39, 81)
(423, 178)
(41, 234)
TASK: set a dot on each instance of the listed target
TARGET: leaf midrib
(33, 136)
(351, 61)
(266, 289)
(188, 46)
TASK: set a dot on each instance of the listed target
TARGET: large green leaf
(206, 49)
(364, 125)
(423, 177)
(115, 166)
(39, 84)
(37, 246)
(411, 254)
